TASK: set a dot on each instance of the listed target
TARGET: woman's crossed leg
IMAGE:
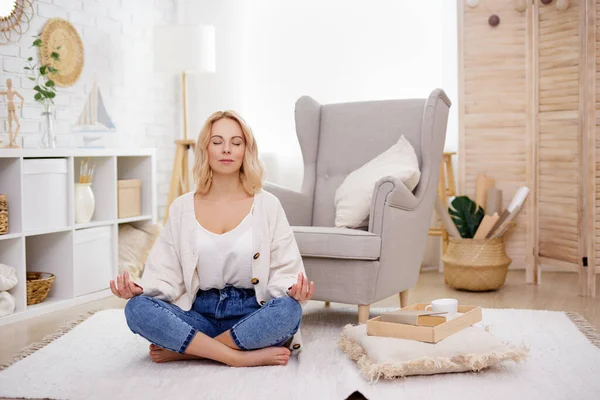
(252, 340)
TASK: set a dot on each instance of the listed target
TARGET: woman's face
(226, 147)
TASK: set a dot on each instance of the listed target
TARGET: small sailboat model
(94, 120)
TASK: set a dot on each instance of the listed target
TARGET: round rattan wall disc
(59, 32)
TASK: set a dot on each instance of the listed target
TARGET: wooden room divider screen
(528, 105)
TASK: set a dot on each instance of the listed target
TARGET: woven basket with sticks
(476, 264)
(476, 258)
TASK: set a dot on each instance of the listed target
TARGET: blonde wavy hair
(252, 170)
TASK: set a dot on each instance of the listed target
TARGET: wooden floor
(559, 291)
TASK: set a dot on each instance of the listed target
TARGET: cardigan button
(254, 281)
(256, 256)
(296, 346)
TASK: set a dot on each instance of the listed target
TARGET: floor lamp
(183, 49)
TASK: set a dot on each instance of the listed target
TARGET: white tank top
(225, 258)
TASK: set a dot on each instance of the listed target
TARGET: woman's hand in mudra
(302, 290)
(124, 287)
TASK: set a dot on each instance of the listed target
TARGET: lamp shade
(189, 48)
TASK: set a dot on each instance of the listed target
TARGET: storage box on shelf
(130, 195)
(45, 194)
(138, 169)
(42, 233)
(93, 259)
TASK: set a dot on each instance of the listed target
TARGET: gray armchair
(356, 266)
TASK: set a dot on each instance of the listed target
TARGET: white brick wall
(117, 38)
(69, 4)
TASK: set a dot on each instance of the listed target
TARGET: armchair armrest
(401, 219)
(296, 205)
(389, 191)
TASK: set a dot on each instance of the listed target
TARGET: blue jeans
(215, 311)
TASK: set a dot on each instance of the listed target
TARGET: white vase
(85, 202)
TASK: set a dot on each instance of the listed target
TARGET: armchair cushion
(329, 242)
(353, 197)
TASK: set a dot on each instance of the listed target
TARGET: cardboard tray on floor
(470, 315)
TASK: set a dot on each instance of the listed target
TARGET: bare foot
(266, 356)
(160, 355)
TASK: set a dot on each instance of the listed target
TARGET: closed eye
(235, 144)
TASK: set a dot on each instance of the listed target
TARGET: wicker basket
(38, 286)
(3, 214)
(476, 264)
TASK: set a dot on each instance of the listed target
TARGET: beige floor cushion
(472, 349)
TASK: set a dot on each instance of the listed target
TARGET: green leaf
(50, 95)
(50, 83)
(55, 56)
(30, 59)
(43, 69)
(466, 216)
(58, 48)
(38, 96)
(37, 87)
(31, 79)
(37, 43)
(52, 69)
(26, 68)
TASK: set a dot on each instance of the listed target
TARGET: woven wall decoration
(14, 20)
(59, 32)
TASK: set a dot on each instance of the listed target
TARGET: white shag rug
(101, 359)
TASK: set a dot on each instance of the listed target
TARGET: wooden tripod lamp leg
(180, 176)
(174, 190)
(185, 173)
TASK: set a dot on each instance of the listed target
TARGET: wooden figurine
(12, 113)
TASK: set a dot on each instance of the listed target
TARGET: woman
(224, 279)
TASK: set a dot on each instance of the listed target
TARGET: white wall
(117, 39)
(338, 51)
(269, 53)
(223, 89)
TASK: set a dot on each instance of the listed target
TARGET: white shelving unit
(54, 249)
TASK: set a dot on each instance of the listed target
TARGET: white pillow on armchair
(353, 197)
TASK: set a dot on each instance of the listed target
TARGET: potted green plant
(473, 264)
(45, 91)
(466, 215)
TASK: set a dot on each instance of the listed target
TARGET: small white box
(93, 259)
(45, 194)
